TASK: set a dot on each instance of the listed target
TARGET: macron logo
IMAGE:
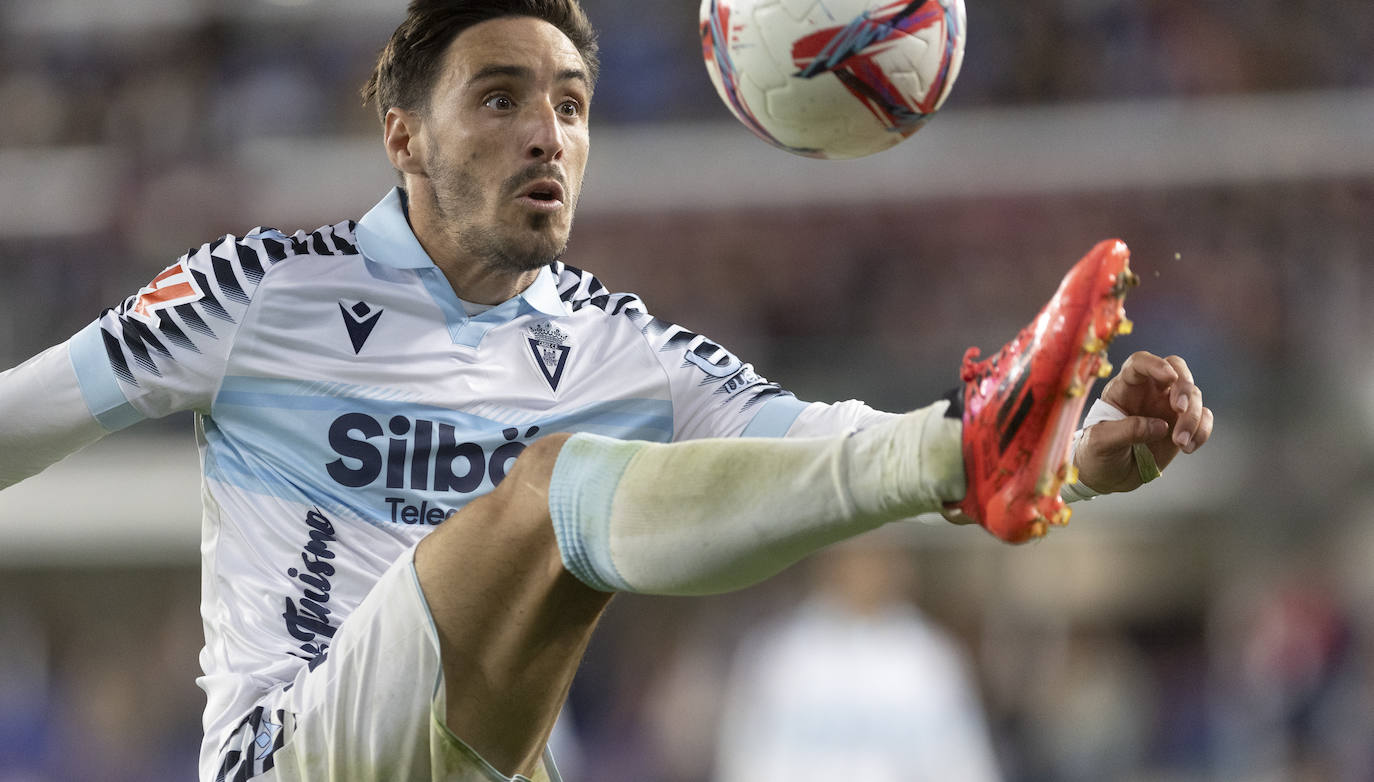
(360, 319)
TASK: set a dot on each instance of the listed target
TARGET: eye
(570, 108)
(499, 102)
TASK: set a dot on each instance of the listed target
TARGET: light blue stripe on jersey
(99, 387)
(775, 418)
(274, 437)
(227, 463)
(626, 419)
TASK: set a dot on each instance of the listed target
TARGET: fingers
(1143, 367)
(1135, 389)
(1131, 430)
(1185, 399)
(1105, 455)
(1163, 388)
(1204, 430)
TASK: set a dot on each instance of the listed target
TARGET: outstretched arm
(43, 416)
(1163, 412)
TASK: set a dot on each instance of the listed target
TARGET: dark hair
(408, 66)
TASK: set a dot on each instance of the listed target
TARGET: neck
(473, 278)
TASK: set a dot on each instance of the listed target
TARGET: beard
(523, 247)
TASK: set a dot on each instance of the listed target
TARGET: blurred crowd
(194, 82)
(1225, 634)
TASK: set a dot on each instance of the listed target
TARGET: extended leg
(711, 516)
(513, 622)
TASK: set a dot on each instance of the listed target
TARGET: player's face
(507, 140)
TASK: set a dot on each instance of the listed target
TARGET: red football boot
(1021, 406)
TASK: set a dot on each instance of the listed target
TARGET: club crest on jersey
(547, 343)
(173, 287)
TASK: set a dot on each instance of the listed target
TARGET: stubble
(462, 204)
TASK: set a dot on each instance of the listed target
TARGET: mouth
(544, 195)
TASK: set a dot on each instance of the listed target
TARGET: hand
(1164, 412)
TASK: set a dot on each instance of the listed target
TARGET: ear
(404, 142)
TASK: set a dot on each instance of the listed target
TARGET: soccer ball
(833, 78)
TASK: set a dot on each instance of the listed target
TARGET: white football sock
(707, 516)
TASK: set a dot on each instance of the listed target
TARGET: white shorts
(372, 710)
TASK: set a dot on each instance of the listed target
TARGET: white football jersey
(347, 403)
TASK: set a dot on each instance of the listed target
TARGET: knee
(520, 502)
(529, 475)
(513, 518)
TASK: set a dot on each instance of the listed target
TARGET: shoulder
(217, 281)
(582, 291)
(235, 266)
(262, 248)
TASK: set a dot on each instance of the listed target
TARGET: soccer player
(432, 451)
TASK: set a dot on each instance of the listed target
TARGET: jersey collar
(385, 237)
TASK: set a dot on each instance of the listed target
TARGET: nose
(545, 134)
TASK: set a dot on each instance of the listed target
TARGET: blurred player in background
(388, 591)
(855, 683)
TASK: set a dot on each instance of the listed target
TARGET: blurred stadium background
(1215, 627)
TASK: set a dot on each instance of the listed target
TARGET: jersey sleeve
(715, 394)
(161, 351)
(164, 349)
(44, 415)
